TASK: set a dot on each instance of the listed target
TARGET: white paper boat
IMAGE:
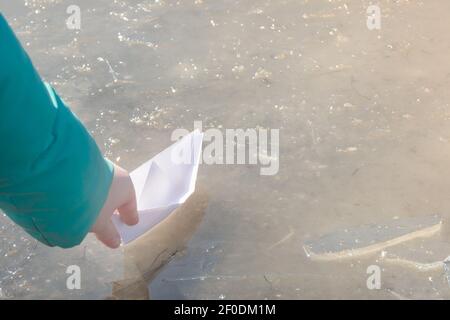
(162, 184)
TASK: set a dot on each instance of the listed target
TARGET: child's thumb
(128, 211)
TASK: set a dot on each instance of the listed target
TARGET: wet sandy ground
(364, 121)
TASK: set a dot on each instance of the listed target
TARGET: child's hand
(122, 198)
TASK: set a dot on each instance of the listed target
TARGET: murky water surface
(364, 121)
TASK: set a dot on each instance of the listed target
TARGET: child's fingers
(108, 234)
(128, 211)
(122, 197)
(126, 197)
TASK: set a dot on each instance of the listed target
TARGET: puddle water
(364, 120)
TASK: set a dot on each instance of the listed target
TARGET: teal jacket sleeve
(53, 178)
